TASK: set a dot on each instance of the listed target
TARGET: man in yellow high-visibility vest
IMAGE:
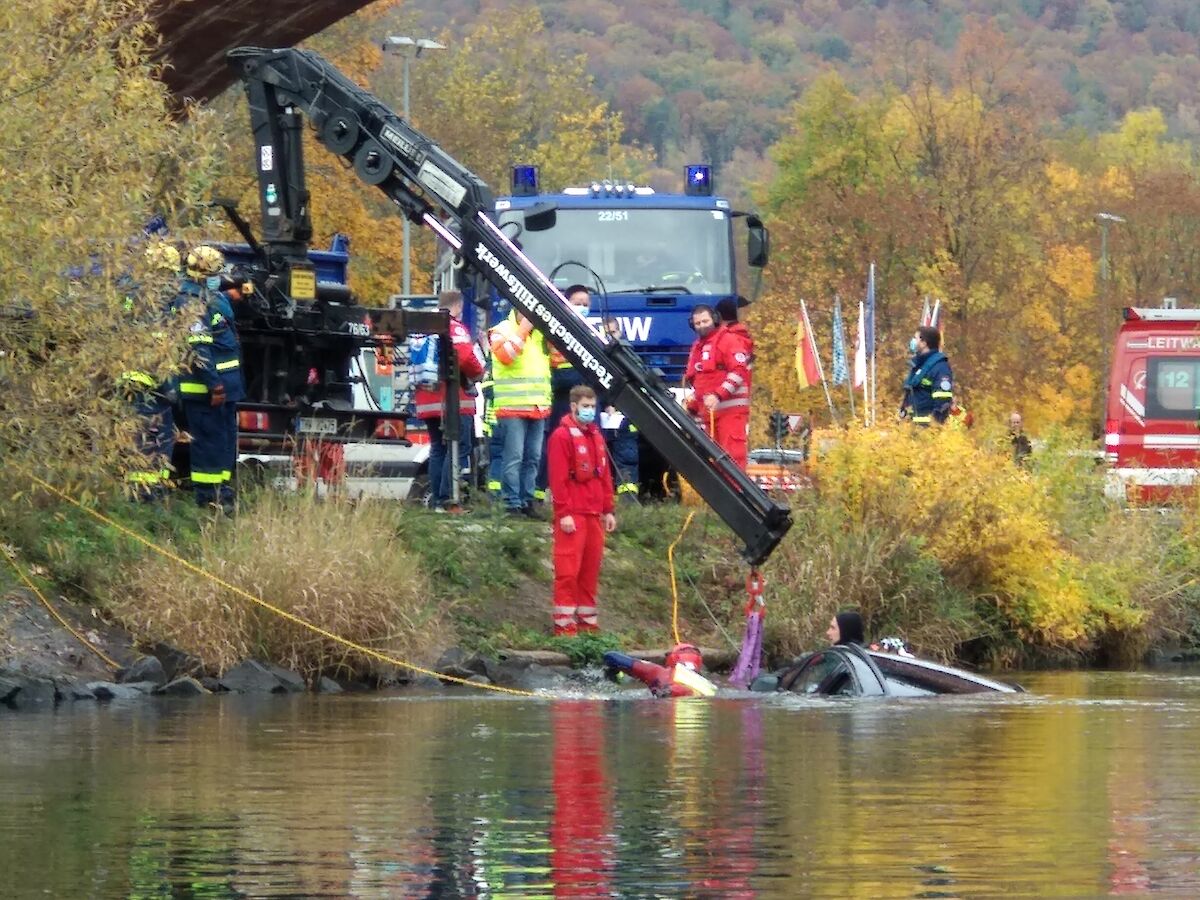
(521, 396)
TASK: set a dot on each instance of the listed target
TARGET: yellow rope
(108, 660)
(674, 589)
(284, 614)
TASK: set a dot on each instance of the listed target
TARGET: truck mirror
(541, 216)
(758, 246)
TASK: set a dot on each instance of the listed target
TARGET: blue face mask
(912, 346)
(585, 414)
(213, 282)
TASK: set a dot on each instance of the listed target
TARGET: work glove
(218, 395)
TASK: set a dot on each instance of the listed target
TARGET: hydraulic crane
(432, 189)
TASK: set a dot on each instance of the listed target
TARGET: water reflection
(1086, 787)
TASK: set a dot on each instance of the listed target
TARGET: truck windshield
(632, 249)
(1173, 387)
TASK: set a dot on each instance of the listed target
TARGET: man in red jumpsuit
(719, 374)
(581, 489)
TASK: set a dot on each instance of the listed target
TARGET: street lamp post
(1105, 219)
(409, 49)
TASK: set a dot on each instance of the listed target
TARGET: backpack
(424, 363)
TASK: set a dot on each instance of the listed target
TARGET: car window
(1173, 387)
(816, 670)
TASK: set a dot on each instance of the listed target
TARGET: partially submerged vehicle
(848, 670)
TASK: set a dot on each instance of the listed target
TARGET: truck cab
(647, 257)
(1152, 429)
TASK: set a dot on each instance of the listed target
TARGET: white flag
(860, 349)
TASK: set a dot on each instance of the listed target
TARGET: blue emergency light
(698, 181)
(524, 181)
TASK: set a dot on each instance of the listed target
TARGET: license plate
(315, 425)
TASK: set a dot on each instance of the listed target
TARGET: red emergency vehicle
(1152, 433)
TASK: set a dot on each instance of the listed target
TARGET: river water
(1089, 785)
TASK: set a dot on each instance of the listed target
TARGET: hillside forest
(965, 147)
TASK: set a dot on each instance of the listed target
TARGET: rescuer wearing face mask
(581, 489)
(718, 372)
(929, 387)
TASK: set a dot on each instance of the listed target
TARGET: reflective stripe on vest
(193, 387)
(228, 364)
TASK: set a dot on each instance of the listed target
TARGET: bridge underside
(197, 33)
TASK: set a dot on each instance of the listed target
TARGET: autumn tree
(92, 152)
(955, 195)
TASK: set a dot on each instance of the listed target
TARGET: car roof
(943, 679)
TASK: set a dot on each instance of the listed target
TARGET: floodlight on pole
(409, 48)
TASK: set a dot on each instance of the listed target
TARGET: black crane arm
(433, 189)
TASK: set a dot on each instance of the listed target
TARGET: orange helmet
(687, 655)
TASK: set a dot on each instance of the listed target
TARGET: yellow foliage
(92, 153)
(1116, 183)
(1072, 270)
(1063, 179)
(985, 522)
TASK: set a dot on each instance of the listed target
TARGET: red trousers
(577, 559)
(729, 431)
(582, 846)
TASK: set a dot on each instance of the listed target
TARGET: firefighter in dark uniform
(211, 390)
(929, 387)
(151, 399)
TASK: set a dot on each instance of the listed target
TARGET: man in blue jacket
(929, 387)
(211, 389)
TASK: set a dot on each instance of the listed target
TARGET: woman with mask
(929, 387)
(581, 490)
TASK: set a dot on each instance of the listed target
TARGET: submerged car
(848, 670)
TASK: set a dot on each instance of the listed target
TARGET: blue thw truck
(647, 257)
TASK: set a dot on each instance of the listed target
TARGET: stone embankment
(42, 664)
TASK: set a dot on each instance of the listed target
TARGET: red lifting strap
(754, 591)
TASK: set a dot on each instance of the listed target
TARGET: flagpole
(812, 343)
(841, 324)
(874, 352)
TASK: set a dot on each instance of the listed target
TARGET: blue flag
(871, 313)
(841, 370)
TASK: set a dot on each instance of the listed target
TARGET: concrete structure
(196, 35)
